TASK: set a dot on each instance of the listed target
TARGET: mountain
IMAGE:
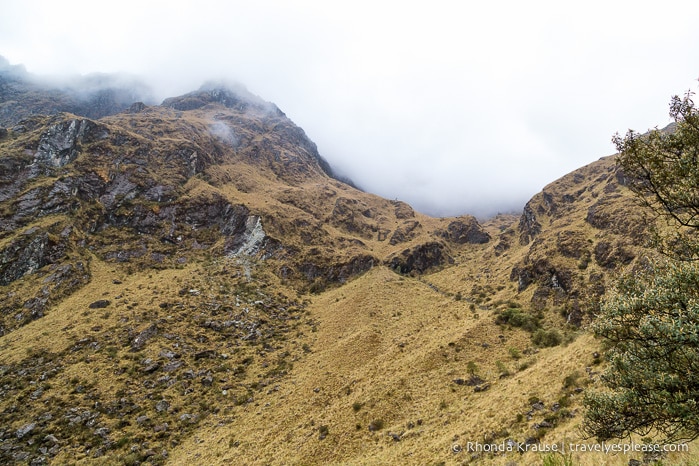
(23, 94)
(187, 283)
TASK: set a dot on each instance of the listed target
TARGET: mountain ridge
(187, 283)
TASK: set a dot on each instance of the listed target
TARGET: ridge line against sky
(454, 107)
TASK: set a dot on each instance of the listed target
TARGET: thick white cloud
(455, 107)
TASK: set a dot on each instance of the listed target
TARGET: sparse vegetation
(517, 317)
(650, 323)
(514, 352)
(502, 368)
(546, 338)
(571, 380)
(205, 357)
(376, 424)
(558, 459)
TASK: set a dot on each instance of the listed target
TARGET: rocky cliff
(156, 186)
(188, 283)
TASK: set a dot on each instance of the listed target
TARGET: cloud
(453, 107)
(225, 133)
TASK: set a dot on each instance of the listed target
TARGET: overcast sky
(453, 106)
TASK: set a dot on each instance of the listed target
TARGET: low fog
(452, 108)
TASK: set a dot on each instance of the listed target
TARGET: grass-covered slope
(186, 284)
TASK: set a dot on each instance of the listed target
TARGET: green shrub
(502, 368)
(558, 459)
(571, 380)
(518, 318)
(546, 338)
(514, 352)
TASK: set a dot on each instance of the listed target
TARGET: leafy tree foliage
(662, 167)
(651, 322)
(651, 325)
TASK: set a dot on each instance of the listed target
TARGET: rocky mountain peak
(24, 94)
(232, 96)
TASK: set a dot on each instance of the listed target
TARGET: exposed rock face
(404, 233)
(529, 226)
(340, 272)
(611, 255)
(234, 97)
(60, 144)
(32, 250)
(606, 214)
(351, 216)
(421, 258)
(136, 107)
(403, 211)
(466, 231)
(250, 241)
(47, 253)
(544, 273)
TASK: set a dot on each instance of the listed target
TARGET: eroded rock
(29, 252)
(142, 338)
(529, 226)
(60, 144)
(466, 231)
(421, 258)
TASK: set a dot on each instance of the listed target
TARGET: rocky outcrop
(611, 255)
(606, 214)
(247, 242)
(543, 273)
(60, 144)
(320, 276)
(402, 210)
(235, 97)
(42, 263)
(466, 230)
(405, 232)
(352, 216)
(529, 226)
(29, 252)
(421, 258)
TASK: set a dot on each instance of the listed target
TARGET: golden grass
(390, 346)
(381, 350)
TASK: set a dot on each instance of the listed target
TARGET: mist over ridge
(460, 162)
(450, 109)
